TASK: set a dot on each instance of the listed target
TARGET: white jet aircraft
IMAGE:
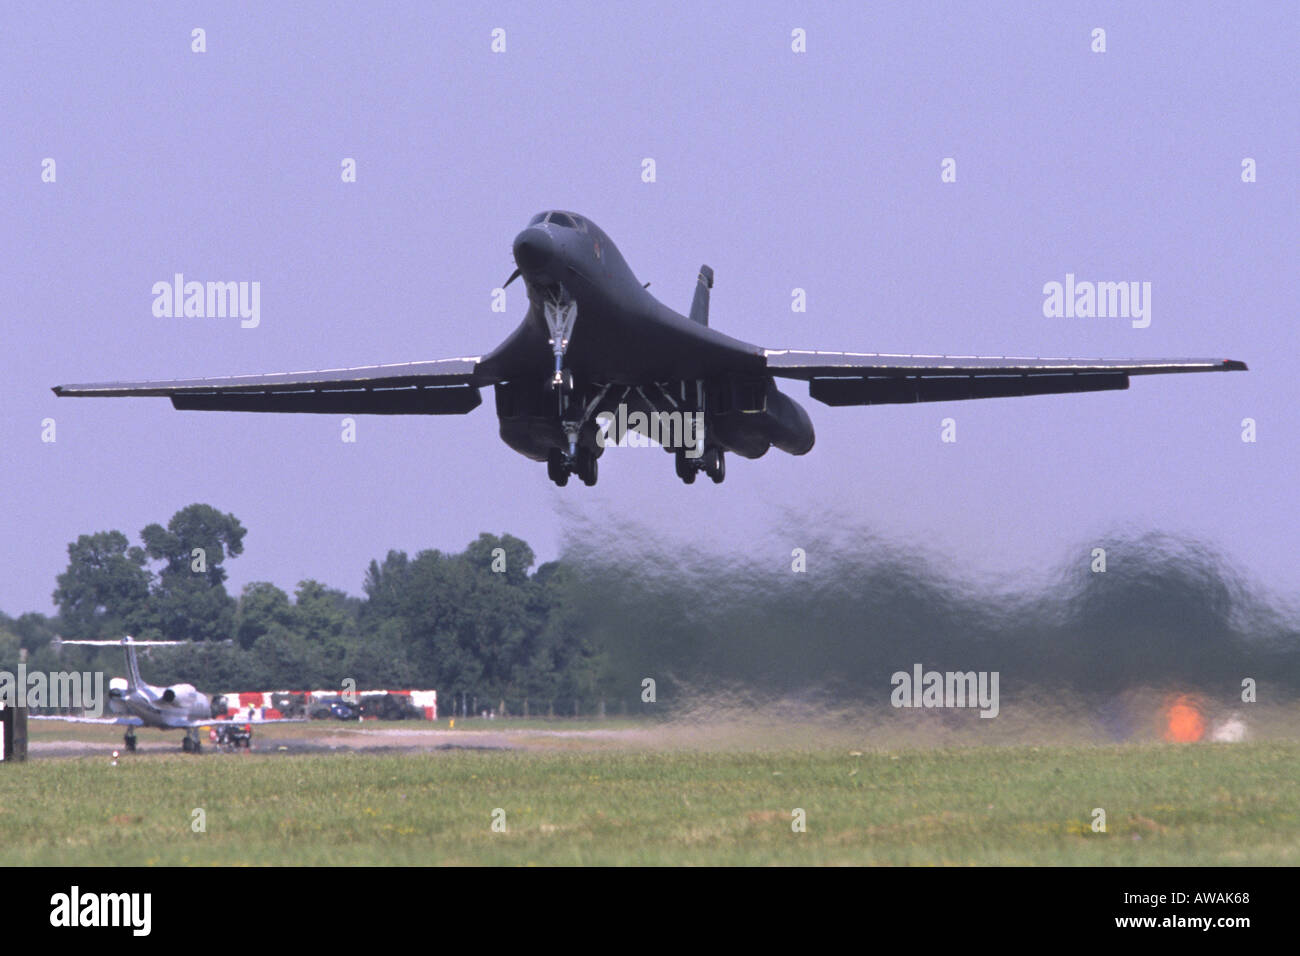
(178, 707)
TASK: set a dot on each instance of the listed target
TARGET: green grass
(1165, 804)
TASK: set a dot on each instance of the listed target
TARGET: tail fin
(133, 680)
(700, 304)
(132, 667)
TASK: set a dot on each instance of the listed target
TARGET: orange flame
(1184, 721)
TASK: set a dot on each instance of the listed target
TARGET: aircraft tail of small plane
(700, 304)
(133, 679)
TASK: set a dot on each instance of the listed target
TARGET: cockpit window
(536, 219)
(561, 219)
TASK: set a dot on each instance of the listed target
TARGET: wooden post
(20, 733)
(13, 724)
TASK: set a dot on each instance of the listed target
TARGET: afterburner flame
(1184, 722)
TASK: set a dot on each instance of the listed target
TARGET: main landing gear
(583, 464)
(129, 739)
(713, 463)
(191, 743)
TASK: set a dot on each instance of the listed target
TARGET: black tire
(588, 469)
(557, 469)
(685, 467)
(715, 465)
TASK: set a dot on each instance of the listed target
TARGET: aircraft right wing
(121, 721)
(861, 378)
(440, 387)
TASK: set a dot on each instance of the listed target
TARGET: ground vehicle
(390, 707)
(335, 707)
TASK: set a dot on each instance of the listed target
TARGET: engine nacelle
(748, 416)
(179, 694)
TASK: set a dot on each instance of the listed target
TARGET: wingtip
(1232, 365)
(57, 390)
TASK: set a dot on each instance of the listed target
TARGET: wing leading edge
(857, 378)
(441, 387)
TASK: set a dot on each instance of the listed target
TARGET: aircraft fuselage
(626, 347)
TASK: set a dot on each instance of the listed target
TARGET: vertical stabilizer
(700, 304)
(132, 667)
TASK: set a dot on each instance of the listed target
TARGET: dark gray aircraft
(598, 359)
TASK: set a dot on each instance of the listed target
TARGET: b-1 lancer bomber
(597, 351)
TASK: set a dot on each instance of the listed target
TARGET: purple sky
(818, 171)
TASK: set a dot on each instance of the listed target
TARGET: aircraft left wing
(440, 387)
(862, 378)
(122, 721)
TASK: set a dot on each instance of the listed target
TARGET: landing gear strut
(561, 314)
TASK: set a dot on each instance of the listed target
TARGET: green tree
(325, 617)
(104, 593)
(261, 605)
(189, 599)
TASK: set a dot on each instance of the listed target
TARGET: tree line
(483, 626)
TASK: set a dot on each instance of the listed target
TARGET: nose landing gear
(561, 315)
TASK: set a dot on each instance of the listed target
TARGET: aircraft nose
(533, 249)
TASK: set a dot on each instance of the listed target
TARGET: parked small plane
(596, 346)
(178, 707)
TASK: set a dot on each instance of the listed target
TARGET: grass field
(1165, 804)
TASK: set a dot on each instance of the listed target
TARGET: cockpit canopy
(557, 218)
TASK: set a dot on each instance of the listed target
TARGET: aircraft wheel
(129, 741)
(715, 465)
(588, 469)
(685, 467)
(557, 469)
(187, 745)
